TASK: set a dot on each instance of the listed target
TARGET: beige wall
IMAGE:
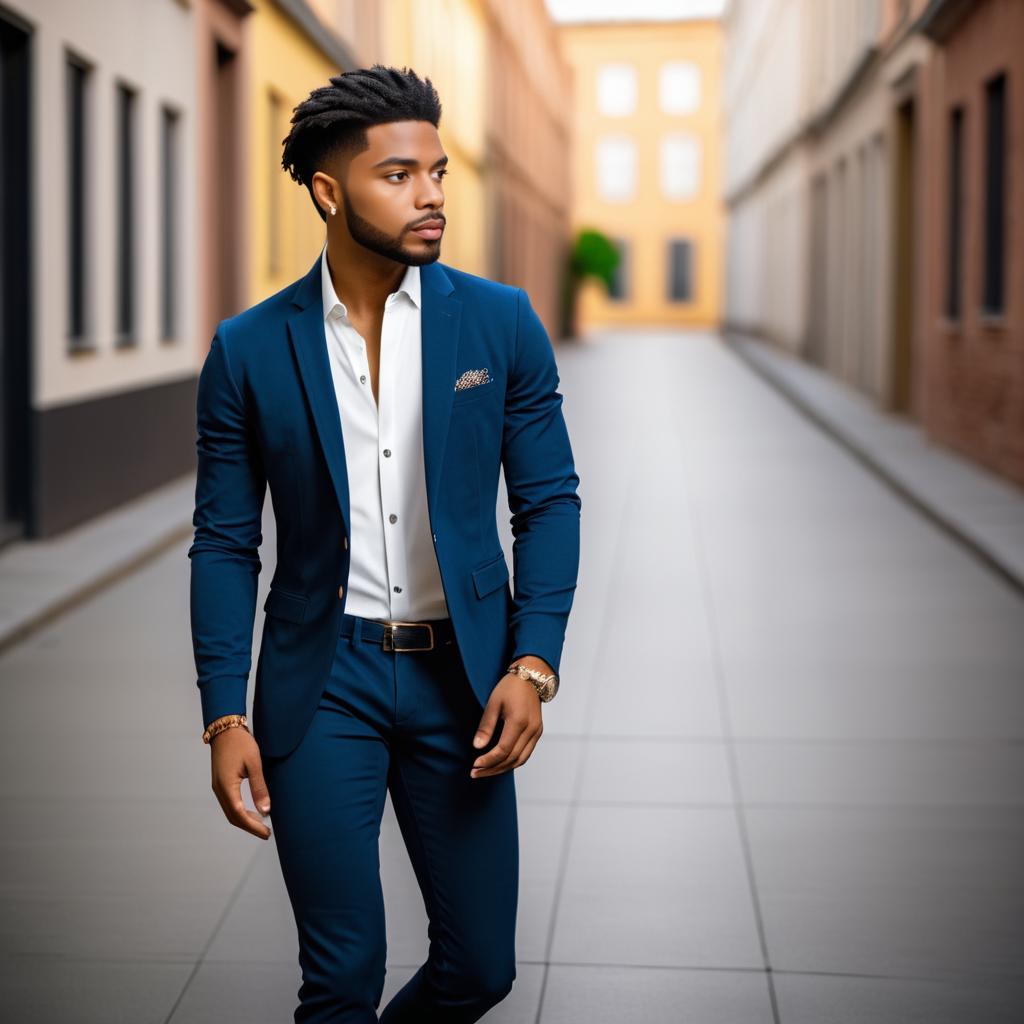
(285, 233)
(445, 41)
(504, 125)
(118, 48)
(529, 90)
(810, 178)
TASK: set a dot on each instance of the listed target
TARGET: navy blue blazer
(267, 415)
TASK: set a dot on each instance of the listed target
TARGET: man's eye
(394, 174)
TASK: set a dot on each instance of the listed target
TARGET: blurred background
(778, 246)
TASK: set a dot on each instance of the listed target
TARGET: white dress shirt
(393, 570)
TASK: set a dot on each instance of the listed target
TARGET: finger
(257, 785)
(488, 721)
(528, 742)
(512, 741)
(508, 762)
(524, 755)
(248, 821)
(230, 799)
(510, 732)
(504, 765)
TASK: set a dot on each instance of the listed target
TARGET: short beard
(371, 237)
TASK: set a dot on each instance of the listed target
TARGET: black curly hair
(334, 118)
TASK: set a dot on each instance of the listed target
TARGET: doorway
(15, 280)
(901, 396)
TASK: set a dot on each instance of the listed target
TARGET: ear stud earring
(334, 210)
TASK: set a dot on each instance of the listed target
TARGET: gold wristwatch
(546, 685)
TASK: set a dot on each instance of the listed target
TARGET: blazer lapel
(440, 324)
(309, 340)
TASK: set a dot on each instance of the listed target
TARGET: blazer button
(345, 542)
(341, 592)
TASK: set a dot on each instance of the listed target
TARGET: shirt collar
(410, 285)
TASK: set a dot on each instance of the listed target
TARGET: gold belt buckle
(388, 640)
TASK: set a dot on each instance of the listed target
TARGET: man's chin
(423, 257)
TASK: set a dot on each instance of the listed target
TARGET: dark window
(125, 236)
(955, 213)
(995, 195)
(680, 270)
(76, 85)
(169, 219)
(619, 290)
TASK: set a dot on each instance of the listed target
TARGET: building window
(680, 166)
(170, 217)
(993, 297)
(954, 213)
(616, 90)
(616, 168)
(680, 270)
(125, 235)
(619, 291)
(679, 87)
(77, 128)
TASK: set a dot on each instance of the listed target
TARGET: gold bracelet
(222, 723)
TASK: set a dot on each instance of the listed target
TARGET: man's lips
(431, 229)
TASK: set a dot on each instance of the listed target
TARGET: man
(378, 397)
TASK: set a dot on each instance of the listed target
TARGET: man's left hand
(517, 703)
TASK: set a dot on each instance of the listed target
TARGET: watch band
(546, 685)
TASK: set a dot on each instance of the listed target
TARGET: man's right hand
(235, 755)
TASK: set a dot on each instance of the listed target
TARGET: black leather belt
(393, 635)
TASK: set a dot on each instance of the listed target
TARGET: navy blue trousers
(401, 722)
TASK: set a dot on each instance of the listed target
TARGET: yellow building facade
(446, 41)
(284, 231)
(647, 165)
(502, 81)
(443, 40)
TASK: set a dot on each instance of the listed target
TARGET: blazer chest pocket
(491, 575)
(471, 394)
(283, 605)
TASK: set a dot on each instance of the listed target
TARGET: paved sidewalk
(981, 508)
(41, 579)
(780, 783)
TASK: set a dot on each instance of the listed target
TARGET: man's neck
(363, 279)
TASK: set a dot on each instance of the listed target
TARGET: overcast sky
(633, 10)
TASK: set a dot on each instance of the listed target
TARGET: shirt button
(362, 378)
(387, 453)
(397, 589)
(393, 518)
(341, 591)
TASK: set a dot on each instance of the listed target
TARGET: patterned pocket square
(471, 378)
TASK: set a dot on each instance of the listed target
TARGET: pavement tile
(55, 990)
(612, 994)
(831, 999)
(910, 891)
(656, 886)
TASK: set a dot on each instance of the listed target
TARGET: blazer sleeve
(541, 482)
(224, 556)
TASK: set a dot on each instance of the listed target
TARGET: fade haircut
(333, 120)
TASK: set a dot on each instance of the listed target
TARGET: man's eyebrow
(406, 161)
